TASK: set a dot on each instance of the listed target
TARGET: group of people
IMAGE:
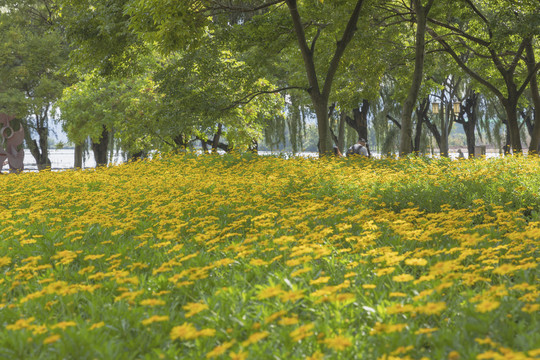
(360, 148)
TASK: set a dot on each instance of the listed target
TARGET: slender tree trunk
(341, 132)
(510, 107)
(217, 136)
(100, 148)
(534, 145)
(434, 131)
(359, 120)
(320, 95)
(323, 125)
(39, 152)
(204, 146)
(445, 114)
(78, 156)
(421, 12)
(469, 125)
(421, 114)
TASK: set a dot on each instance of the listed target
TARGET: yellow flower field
(245, 257)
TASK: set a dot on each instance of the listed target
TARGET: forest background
(300, 75)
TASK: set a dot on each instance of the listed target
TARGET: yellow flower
(187, 331)
(530, 308)
(387, 328)
(155, 318)
(397, 294)
(64, 324)
(220, 349)
(152, 302)
(274, 316)
(292, 295)
(97, 325)
(416, 262)
(51, 339)
(385, 271)
(432, 308)
(301, 271)
(4, 260)
(241, 355)
(258, 262)
(270, 292)
(321, 280)
(425, 331)
(302, 332)
(288, 321)
(194, 308)
(21, 324)
(487, 305)
(253, 338)
(337, 342)
(317, 355)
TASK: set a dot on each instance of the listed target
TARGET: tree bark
(40, 151)
(78, 156)
(444, 114)
(100, 147)
(434, 131)
(510, 107)
(534, 145)
(319, 97)
(341, 132)
(470, 109)
(359, 120)
(217, 136)
(421, 114)
(421, 13)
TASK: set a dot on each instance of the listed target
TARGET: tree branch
(304, 49)
(517, 57)
(528, 78)
(340, 49)
(393, 120)
(461, 64)
(230, 7)
(248, 98)
(459, 32)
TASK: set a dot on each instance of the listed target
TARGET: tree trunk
(434, 131)
(204, 146)
(39, 152)
(78, 156)
(341, 132)
(319, 96)
(359, 121)
(469, 125)
(443, 146)
(534, 145)
(405, 146)
(217, 136)
(421, 114)
(100, 148)
(510, 106)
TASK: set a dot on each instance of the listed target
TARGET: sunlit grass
(260, 257)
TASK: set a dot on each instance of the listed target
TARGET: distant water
(65, 158)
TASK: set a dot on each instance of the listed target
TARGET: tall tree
(421, 14)
(495, 35)
(32, 53)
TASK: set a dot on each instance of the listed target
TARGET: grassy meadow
(246, 257)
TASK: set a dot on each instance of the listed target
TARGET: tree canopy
(228, 73)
